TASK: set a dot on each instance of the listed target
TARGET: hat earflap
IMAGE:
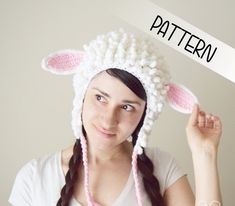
(181, 98)
(63, 62)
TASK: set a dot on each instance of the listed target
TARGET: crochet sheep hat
(136, 55)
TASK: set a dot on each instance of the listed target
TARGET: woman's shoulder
(57, 160)
(164, 162)
(48, 160)
(66, 154)
(166, 167)
(158, 154)
(39, 164)
(36, 177)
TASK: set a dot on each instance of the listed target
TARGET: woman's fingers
(193, 119)
(209, 121)
(217, 122)
(202, 119)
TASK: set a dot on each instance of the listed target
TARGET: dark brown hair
(145, 165)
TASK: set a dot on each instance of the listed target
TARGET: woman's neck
(100, 157)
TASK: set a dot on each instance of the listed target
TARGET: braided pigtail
(151, 183)
(71, 176)
(146, 167)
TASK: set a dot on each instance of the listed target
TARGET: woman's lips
(104, 132)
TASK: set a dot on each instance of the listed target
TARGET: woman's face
(111, 111)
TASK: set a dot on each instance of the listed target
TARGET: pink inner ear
(64, 61)
(181, 98)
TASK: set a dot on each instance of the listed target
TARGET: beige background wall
(36, 106)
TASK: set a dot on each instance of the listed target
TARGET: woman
(120, 88)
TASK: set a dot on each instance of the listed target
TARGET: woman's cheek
(88, 109)
(128, 121)
(94, 109)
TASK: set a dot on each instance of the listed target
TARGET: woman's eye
(128, 107)
(99, 98)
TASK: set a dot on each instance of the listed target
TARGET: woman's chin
(102, 143)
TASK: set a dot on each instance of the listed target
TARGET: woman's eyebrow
(124, 101)
(104, 93)
(130, 102)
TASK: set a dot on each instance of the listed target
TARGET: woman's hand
(203, 131)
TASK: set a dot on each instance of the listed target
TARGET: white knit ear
(63, 62)
(181, 98)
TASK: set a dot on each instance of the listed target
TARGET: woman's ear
(181, 98)
(63, 62)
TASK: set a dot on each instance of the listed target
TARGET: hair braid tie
(90, 200)
(135, 173)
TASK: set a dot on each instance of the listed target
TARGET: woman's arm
(203, 134)
(179, 194)
(206, 179)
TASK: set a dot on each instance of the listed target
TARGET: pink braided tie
(90, 200)
(135, 173)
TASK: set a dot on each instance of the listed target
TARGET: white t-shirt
(39, 182)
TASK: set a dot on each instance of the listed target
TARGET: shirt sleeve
(21, 193)
(174, 172)
(166, 168)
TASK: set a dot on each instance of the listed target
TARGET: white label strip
(178, 34)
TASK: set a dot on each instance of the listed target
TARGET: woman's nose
(109, 119)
